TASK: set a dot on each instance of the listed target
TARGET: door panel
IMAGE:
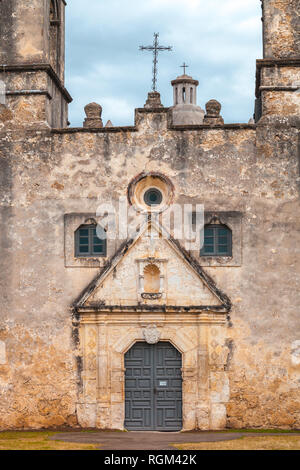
(153, 387)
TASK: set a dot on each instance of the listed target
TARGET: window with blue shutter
(217, 241)
(88, 243)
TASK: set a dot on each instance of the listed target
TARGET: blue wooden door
(153, 387)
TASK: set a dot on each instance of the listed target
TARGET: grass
(28, 440)
(40, 440)
(260, 431)
(247, 443)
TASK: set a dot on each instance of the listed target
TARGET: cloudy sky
(219, 39)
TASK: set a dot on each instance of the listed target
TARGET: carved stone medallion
(151, 334)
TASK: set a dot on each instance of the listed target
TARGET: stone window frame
(72, 223)
(54, 9)
(55, 32)
(233, 220)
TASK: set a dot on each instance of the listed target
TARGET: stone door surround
(200, 338)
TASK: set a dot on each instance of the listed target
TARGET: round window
(153, 197)
(150, 192)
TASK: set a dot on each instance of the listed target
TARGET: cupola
(185, 109)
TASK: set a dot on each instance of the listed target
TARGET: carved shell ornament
(151, 334)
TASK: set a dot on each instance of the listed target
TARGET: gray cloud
(219, 39)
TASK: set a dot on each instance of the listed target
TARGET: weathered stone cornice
(196, 127)
(29, 92)
(278, 62)
(39, 68)
(183, 80)
(261, 63)
(109, 130)
(151, 308)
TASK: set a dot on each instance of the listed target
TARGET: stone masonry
(66, 322)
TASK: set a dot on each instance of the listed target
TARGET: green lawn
(39, 440)
(247, 443)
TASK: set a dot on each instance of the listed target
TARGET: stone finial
(212, 116)
(153, 100)
(109, 124)
(93, 113)
(213, 108)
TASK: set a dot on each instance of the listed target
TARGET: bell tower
(278, 73)
(32, 60)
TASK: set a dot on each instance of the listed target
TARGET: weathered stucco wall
(46, 175)
(25, 33)
(240, 369)
(281, 28)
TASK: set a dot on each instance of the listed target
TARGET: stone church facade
(143, 331)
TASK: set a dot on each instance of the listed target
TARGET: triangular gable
(116, 284)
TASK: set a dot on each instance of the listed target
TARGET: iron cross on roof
(184, 66)
(156, 48)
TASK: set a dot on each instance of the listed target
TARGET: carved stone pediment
(175, 279)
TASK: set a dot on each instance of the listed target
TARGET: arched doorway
(153, 387)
